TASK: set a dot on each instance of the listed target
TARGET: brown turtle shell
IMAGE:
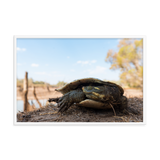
(86, 81)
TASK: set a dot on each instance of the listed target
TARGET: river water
(20, 103)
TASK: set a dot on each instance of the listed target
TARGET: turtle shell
(86, 81)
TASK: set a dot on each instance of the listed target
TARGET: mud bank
(81, 114)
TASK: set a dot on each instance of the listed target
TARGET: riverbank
(41, 93)
(81, 114)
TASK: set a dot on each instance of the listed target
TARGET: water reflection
(20, 103)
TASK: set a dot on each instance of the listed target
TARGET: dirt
(81, 114)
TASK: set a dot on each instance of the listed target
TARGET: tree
(129, 60)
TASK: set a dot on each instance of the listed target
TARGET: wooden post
(34, 93)
(48, 88)
(25, 93)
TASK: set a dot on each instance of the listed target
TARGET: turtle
(92, 93)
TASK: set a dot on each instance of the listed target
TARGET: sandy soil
(81, 114)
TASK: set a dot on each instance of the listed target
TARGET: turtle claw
(63, 103)
(62, 107)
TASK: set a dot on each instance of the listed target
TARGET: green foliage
(31, 82)
(19, 80)
(38, 82)
(20, 83)
(129, 60)
(61, 83)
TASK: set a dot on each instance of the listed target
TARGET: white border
(148, 79)
(76, 123)
(144, 79)
(11, 79)
(14, 80)
(79, 34)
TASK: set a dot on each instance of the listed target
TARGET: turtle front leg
(65, 102)
(68, 99)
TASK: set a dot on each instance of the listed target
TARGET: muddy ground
(80, 114)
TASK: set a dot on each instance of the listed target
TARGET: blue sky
(52, 60)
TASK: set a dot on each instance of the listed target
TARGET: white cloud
(86, 62)
(83, 62)
(34, 65)
(47, 64)
(97, 70)
(58, 75)
(93, 61)
(54, 72)
(72, 70)
(41, 73)
(51, 74)
(21, 49)
(19, 64)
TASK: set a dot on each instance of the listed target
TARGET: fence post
(25, 92)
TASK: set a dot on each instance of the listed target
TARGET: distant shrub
(38, 82)
(61, 83)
